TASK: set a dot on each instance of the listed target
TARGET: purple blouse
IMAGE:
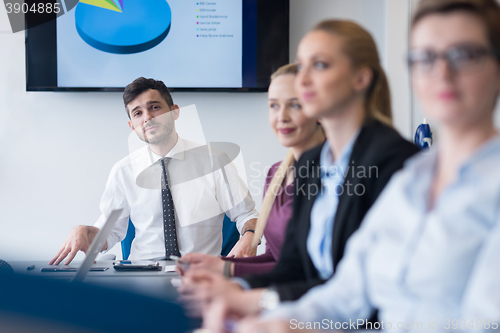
(281, 211)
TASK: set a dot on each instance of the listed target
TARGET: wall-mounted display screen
(222, 45)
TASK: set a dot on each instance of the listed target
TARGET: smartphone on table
(127, 265)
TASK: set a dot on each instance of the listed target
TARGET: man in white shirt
(175, 192)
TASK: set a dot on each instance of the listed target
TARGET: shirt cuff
(109, 240)
(242, 282)
(241, 223)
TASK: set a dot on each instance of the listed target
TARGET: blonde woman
(295, 131)
(341, 82)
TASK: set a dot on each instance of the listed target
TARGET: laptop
(94, 249)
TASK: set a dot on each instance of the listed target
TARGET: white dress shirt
(204, 185)
(416, 264)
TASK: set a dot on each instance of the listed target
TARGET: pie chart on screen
(123, 26)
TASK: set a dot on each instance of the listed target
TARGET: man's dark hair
(141, 85)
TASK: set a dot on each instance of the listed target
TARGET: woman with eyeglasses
(427, 255)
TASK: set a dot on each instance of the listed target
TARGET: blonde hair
(270, 196)
(286, 69)
(361, 49)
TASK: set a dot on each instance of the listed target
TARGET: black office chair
(230, 236)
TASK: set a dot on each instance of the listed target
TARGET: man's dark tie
(171, 246)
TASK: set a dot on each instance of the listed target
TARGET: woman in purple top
(300, 134)
(281, 210)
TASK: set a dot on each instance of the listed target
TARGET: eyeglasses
(460, 58)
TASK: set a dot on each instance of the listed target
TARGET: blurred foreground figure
(427, 254)
(37, 304)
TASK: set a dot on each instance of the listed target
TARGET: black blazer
(378, 149)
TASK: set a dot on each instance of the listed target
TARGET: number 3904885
(40, 8)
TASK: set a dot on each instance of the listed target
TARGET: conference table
(157, 284)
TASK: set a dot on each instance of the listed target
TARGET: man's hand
(229, 312)
(79, 239)
(200, 287)
(244, 246)
(199, 261)
(217, 316)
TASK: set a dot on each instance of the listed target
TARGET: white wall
(56, 149)
(397, 23)
(304, 14)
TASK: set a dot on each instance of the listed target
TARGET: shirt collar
(422, 167)
(144, 158)
(327, 160)
(426, 161)
(481, 156)
(176, 153)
